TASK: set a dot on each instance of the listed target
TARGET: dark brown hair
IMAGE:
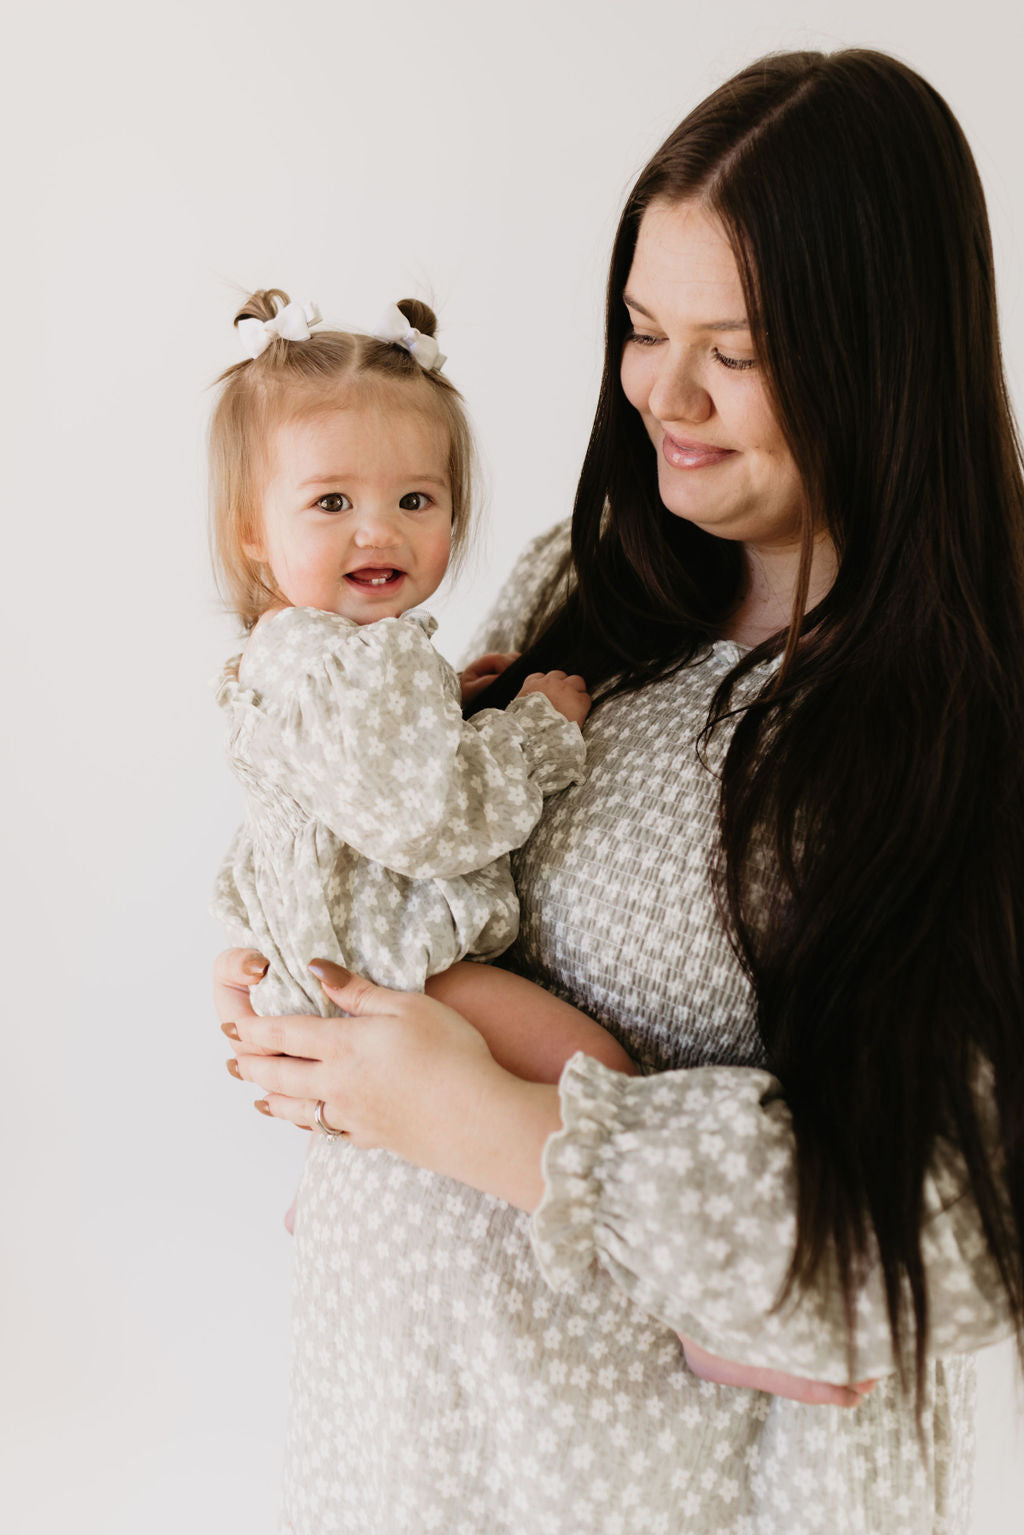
(882, 767)
(290, 379)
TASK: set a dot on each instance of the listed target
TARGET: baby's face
(357, 513)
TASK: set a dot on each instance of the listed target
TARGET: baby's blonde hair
(291, 379)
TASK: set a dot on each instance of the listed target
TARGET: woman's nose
(677, 393)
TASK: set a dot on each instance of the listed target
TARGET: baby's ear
(254, 549)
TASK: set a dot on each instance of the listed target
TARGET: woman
(797, 590)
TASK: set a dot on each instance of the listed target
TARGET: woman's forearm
(498, 1146)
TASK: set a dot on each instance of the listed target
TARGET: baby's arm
(366, 734)
(528, 1031)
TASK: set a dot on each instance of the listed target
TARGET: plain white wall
(157, 161)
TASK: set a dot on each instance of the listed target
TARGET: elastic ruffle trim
(552, 745)
(563, 1230)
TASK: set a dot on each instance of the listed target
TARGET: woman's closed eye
(733, 362)
(643, 337)
(737, 364)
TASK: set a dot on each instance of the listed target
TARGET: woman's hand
(726, 1372)
(479, 674)
(403, 1073)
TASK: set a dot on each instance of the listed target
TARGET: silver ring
(322, 1125)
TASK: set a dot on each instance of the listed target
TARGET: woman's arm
(681, 1185)
(464, 1117)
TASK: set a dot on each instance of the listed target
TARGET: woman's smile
(689, 454)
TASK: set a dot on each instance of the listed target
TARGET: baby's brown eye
(415, 501)
(335, 502)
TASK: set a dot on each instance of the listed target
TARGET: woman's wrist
(499, 1143)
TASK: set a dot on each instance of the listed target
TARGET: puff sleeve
(361, 726)
(683, 1187)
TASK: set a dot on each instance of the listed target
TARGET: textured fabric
(378, 822)
(703, 1161)
(441, 1383)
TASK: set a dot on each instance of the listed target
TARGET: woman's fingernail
(232, 1066)
(327, 970)
(230, 1030)
(255, 965)
(263, 1106)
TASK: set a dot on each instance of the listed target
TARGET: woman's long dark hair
(882, 768)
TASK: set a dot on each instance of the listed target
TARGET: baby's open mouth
(372, 575)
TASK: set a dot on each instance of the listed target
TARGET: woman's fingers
(279, 1074)
(301, 1036)
(354, 994)
(238, 969)
(234, 971)
(304, 1039)
(299, 1112)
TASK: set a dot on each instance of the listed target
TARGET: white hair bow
(394, 327)
(292, 323)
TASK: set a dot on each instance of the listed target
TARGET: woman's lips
(682, 454)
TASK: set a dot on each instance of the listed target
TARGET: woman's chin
(719, 522)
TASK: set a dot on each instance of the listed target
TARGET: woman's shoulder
(535, 586)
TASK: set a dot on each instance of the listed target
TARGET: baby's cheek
(437, 551)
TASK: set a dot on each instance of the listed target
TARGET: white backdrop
(159, 161)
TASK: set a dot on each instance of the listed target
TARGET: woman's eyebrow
(743, 324)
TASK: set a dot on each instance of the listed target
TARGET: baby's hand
(479, 674)
(568, 694)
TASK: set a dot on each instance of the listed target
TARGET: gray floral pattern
(462, 1368)
(378, 823)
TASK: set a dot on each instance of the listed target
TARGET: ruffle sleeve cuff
(552, 745)
(564, 1229)
(683, 1187)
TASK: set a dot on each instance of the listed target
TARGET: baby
(378, 821)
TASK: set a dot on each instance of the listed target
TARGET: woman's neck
(766, 602)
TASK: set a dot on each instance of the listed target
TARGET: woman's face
(689, 368)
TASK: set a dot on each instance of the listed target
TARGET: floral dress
(378, 822)
(462, 1367)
